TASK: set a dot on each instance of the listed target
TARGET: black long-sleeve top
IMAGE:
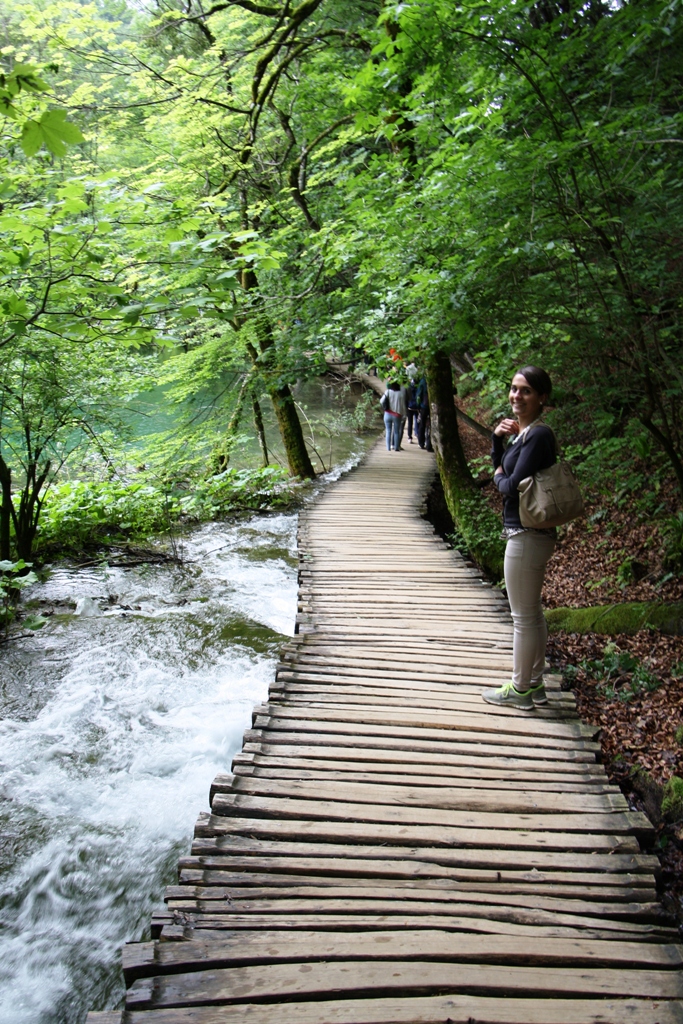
(535, 451)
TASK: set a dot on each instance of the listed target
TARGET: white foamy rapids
(108, 762)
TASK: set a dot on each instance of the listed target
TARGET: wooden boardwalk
(390, 848)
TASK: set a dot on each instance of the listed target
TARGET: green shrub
(672, 803)
(14, 577)
(80, 514)
(672, 535)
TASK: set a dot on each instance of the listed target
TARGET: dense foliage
(217, 197)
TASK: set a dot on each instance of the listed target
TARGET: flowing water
(115, 718)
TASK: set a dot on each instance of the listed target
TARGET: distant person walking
(395, 409)
(413, 411)
(424, 438)
(531, 448)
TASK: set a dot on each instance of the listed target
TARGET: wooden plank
(538, 783)
(409, 796)
(416, 770)
(390, 902)
(277, 981)
(408, 759)
(506, 921)
(275, 731)
(242, 804)
(379, 871)
(522, 948)
(283, 718)
(545, 860)
(501, 721)
(456, 1009)
(576, 888)
(218, 827)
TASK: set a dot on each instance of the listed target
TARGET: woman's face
(525, 401)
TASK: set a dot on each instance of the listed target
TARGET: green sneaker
(508, 696)
(538, 694)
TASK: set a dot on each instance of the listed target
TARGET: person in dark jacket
(531, 447)
(423, 423)
(413, 410)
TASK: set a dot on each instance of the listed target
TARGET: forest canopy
(217, 197)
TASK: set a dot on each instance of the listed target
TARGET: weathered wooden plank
(541, 784)
(456, 1009)
(310, 920)
(213, 856)
(463, 695)
(523, 948)
(408, 796)
(400, 754)
(501, 721)
(242, 804)
(300, 914)
(275, 731)
(328, 900)
(284, 719)
(399, 870)
(572, 889)
(278, 981)
(361, 833)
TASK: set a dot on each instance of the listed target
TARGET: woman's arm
(505, 428)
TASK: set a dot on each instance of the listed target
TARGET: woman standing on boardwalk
(527, 551)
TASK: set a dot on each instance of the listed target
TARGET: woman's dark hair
(538, 379)
(395, 386)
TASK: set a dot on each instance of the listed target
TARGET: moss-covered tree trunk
(292, 435)
(260, 429)
(478, 526)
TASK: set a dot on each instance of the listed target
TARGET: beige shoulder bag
(550, 497)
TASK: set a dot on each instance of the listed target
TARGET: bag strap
(558, 450)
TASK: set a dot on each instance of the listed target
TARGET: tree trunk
(221, 455)
(260, 429)
(30, 505)
(477, 525)
(292, 435)
(5, 511)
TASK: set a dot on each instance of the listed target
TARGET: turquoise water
(326, 411)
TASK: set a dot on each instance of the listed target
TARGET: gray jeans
(526, 556)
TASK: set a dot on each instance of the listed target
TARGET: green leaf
(52, 131)
(31, 138)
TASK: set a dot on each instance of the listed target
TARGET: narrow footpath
(391, 849)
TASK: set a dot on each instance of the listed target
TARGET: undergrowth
(81, 514)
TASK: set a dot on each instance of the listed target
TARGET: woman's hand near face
(506, 428)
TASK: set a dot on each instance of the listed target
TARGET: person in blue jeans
(531, 447)
(413, 411)
(395, 409)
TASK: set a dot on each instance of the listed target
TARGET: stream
(114, 719)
